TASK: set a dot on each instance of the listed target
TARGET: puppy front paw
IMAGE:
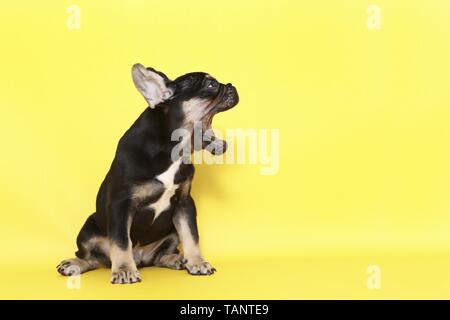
(199, 267)
(123, 276)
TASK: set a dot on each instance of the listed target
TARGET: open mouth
(226, 99)
(229, 98)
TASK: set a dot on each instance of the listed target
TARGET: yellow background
(363, 115)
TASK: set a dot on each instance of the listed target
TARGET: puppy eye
(212, 84)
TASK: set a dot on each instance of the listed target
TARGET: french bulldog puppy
(144, 209)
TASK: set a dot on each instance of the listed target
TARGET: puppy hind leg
(163, 253)
(172, 261)
(168, 255)
(91, 254)
(76, 266)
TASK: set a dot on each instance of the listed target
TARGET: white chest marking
(167, 178)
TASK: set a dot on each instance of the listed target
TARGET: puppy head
(192, 98)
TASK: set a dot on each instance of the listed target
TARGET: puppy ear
(152, 84)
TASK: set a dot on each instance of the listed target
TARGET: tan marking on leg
(191, 251)
(122, 263)
(99, 243)
(121, 257)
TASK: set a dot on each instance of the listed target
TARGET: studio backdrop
(337, 184)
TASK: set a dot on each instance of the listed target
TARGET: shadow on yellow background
(360, 205)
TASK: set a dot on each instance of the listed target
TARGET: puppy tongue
(214, 145)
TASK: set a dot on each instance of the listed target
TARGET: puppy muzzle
(226, 99)
(230, 98)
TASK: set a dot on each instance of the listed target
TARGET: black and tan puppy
(144, 208)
